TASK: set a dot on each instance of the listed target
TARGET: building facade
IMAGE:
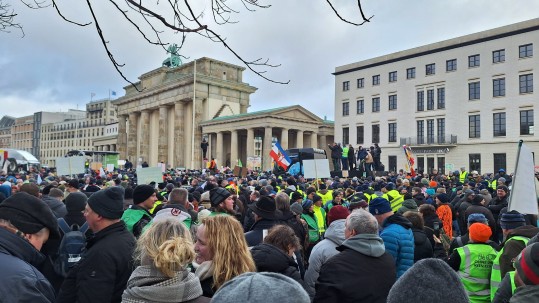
(22, 133)
(463, 102)
(5, 131)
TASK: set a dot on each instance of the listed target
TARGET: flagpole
(515, 172)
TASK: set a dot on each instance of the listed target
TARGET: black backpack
(72, 247)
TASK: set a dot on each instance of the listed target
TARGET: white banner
(523, 196)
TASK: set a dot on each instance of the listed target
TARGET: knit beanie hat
(477, 218)
(433, 184)
(479, 232)
(425, 181)
(477, 199)
(76, 202)
(527, 264)
(218, 195)
(296, 196)
(443, 198)
(420, 280)
(337, 212)
(29, 214)
(108, 203)
(379, 206)
(142, 192)
(408, 205)
(306, 204)
(296, 208)
(503, 187)
(316, 198)
(512, 220)
(254, 287)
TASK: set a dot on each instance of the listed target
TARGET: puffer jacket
(399, 241)
(323, 251)
(269, 258)
(20, 280)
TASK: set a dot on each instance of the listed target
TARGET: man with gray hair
(178, 208)
(362, 261)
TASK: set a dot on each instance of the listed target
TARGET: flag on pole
(39, 180)
(523, 196)
(279, 155)
(92, 95)
(113, 93)
(409, 159)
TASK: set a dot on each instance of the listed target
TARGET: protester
(138, 215)
(222, 202)
(265, 214)
(527, 275)
(164, 252)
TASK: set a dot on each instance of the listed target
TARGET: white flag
(523, 195)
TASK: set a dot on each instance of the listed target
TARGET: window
(475, 162)
(525, 51)
(345, 135)
(430, 69)
(376, 133)
(376, 80)
(498, 87)
(430, 99)
(420, 101)
(375, 105)
(526, 83)
(360, 82)
(441, 97)
(360, 135)
(474, 128)
(500, 161)
(392, 163)
(451, 65)
(473, 61)
(410, 73)
(474, 90)
(420, 163)
(346, 85)
(393, 76)
(392, 102)
(498, 56)
(441, 165)
(440, 130)
(360, 106)
(499, 124)
(526, 122)
(392, 132)
(345, 108)
(420, 132)
(430, 131)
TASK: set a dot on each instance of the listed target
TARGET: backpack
(71, 247)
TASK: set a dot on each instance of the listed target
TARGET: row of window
(498, 87)
(431, 138)
(499, 124)
(375, 131)
(498, 56)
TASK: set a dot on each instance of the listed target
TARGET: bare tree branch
(7, 19)
(65, 19)
(350, 22)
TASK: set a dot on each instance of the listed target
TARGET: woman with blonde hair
(221, 252)
(164, 251)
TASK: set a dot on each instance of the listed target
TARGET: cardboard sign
(66, 166)
(318, 168)
(148, 174)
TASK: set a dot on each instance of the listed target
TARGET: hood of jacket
(526, 294)
(367, 244)
(54, 204)
(270, 258)
(335, 232)
(397, 219)
(14, 245)
(527, 231)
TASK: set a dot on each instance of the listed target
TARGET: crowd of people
(201, 237)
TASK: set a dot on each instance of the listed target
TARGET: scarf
(148, 284)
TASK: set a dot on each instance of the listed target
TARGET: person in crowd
(461, 208)
(325, 249)
(408, 204)
(429, 280)
(313, 224)
(222, 202)
(91, 187)
(478, 207)
(418, 196)
(444, 212)
(107, 263)
(351, 157)
(277, 251)
(138, 215)
(178, 208)
(422, 247)
(526, 276)
(221, 252)
(396, 231)
(336, 152)
(164, 252)
(473, 262)
(431, 220)
(265, 213)
(363, 271)
(460, 241)
(496, 205)
(262, 287)
(53, 198)
(338, 199)
(26, 223)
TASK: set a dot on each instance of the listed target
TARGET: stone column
(132, 138)
(233, 148)
(162, 141)
(179, 136)
(299, 140)
(122, 136)
(219, 150)
(266, 148)
(284, 138)
(314, 140)
(145, 135)
(170, 140)
(250, 142)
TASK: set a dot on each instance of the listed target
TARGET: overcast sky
(57, 65)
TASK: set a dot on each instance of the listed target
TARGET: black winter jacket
(422, 247)
(269, 258)
(102, 273)
(256, 235)
(20, 281)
